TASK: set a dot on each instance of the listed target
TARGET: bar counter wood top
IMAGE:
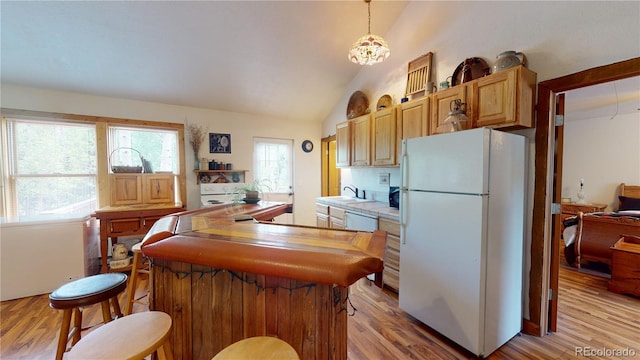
(224, 280)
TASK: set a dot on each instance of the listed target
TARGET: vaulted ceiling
(283, 59)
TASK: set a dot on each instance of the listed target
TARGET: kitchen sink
(347, 199)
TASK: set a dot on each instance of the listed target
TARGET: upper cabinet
(343, 144)
(502, 100)
(505, 99)
(413, 118)
(361, 141)
(441, 106)
(384, 144)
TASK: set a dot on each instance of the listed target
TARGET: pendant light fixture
(369, 49)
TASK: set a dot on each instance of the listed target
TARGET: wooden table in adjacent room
(130, 220)
(223, 279)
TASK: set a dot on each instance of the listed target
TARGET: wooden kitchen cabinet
(138, 189)
(391, 272)
(158, 189)
(336, 217)
(322, 215)
(343, 144)
(441, 106)
(504, 99)
(413, 117)
(126, 189)
(384, 144)
(330, 217)
(361, 141)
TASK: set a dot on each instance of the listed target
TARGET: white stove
(216, 193)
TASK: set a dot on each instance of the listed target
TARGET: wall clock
(307, 146)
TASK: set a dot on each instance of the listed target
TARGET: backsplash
(368, 179)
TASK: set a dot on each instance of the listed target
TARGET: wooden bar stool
(138, 267)
(130, 337)
(258, 347)
(71, 297)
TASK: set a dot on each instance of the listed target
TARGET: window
(52, 167)
(52, 163)
(128, 146)
(272, 163)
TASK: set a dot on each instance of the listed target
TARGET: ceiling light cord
(369, 7)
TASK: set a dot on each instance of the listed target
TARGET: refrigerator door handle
(403, 166)
(403, 215)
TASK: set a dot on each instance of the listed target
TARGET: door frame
(542, 237)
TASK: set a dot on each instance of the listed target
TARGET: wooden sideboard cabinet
(137, 189)
(116, 221)
(391, 272)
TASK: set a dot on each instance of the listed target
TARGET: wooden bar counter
(224, 280)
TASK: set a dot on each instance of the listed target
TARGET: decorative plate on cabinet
(384, 102)
(358, 105)
(478, 68)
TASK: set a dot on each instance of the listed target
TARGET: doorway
(544, 275)
(330, 173)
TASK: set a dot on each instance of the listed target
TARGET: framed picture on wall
(219, 143)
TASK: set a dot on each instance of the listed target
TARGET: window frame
(7, 194)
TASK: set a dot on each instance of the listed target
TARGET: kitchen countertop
(370, 207)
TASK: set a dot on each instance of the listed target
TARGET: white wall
(242, 127)
(557, 38)
(604, 152)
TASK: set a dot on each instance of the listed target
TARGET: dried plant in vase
(196, 136)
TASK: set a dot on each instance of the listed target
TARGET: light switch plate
(384, 179)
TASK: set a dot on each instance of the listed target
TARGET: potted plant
(250, 192)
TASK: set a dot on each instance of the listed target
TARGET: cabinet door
(361, 141)
(159, 189)
(343, 144)
(505, 99)
(126, 189)
(322, 220)
(495, 99)
(383, 146)
(414, 118)
(441, 106)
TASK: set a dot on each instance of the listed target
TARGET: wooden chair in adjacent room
(73, 296)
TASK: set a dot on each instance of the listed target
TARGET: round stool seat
(87, 291)
(259, 347)
(130, 337)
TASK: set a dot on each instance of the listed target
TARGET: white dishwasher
(357, 221)
(362, 222)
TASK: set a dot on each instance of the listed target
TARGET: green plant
(254, 189)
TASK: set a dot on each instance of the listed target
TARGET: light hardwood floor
(589, 316)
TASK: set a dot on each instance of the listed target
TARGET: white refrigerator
(462, 230)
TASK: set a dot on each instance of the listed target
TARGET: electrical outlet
(384, 179)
